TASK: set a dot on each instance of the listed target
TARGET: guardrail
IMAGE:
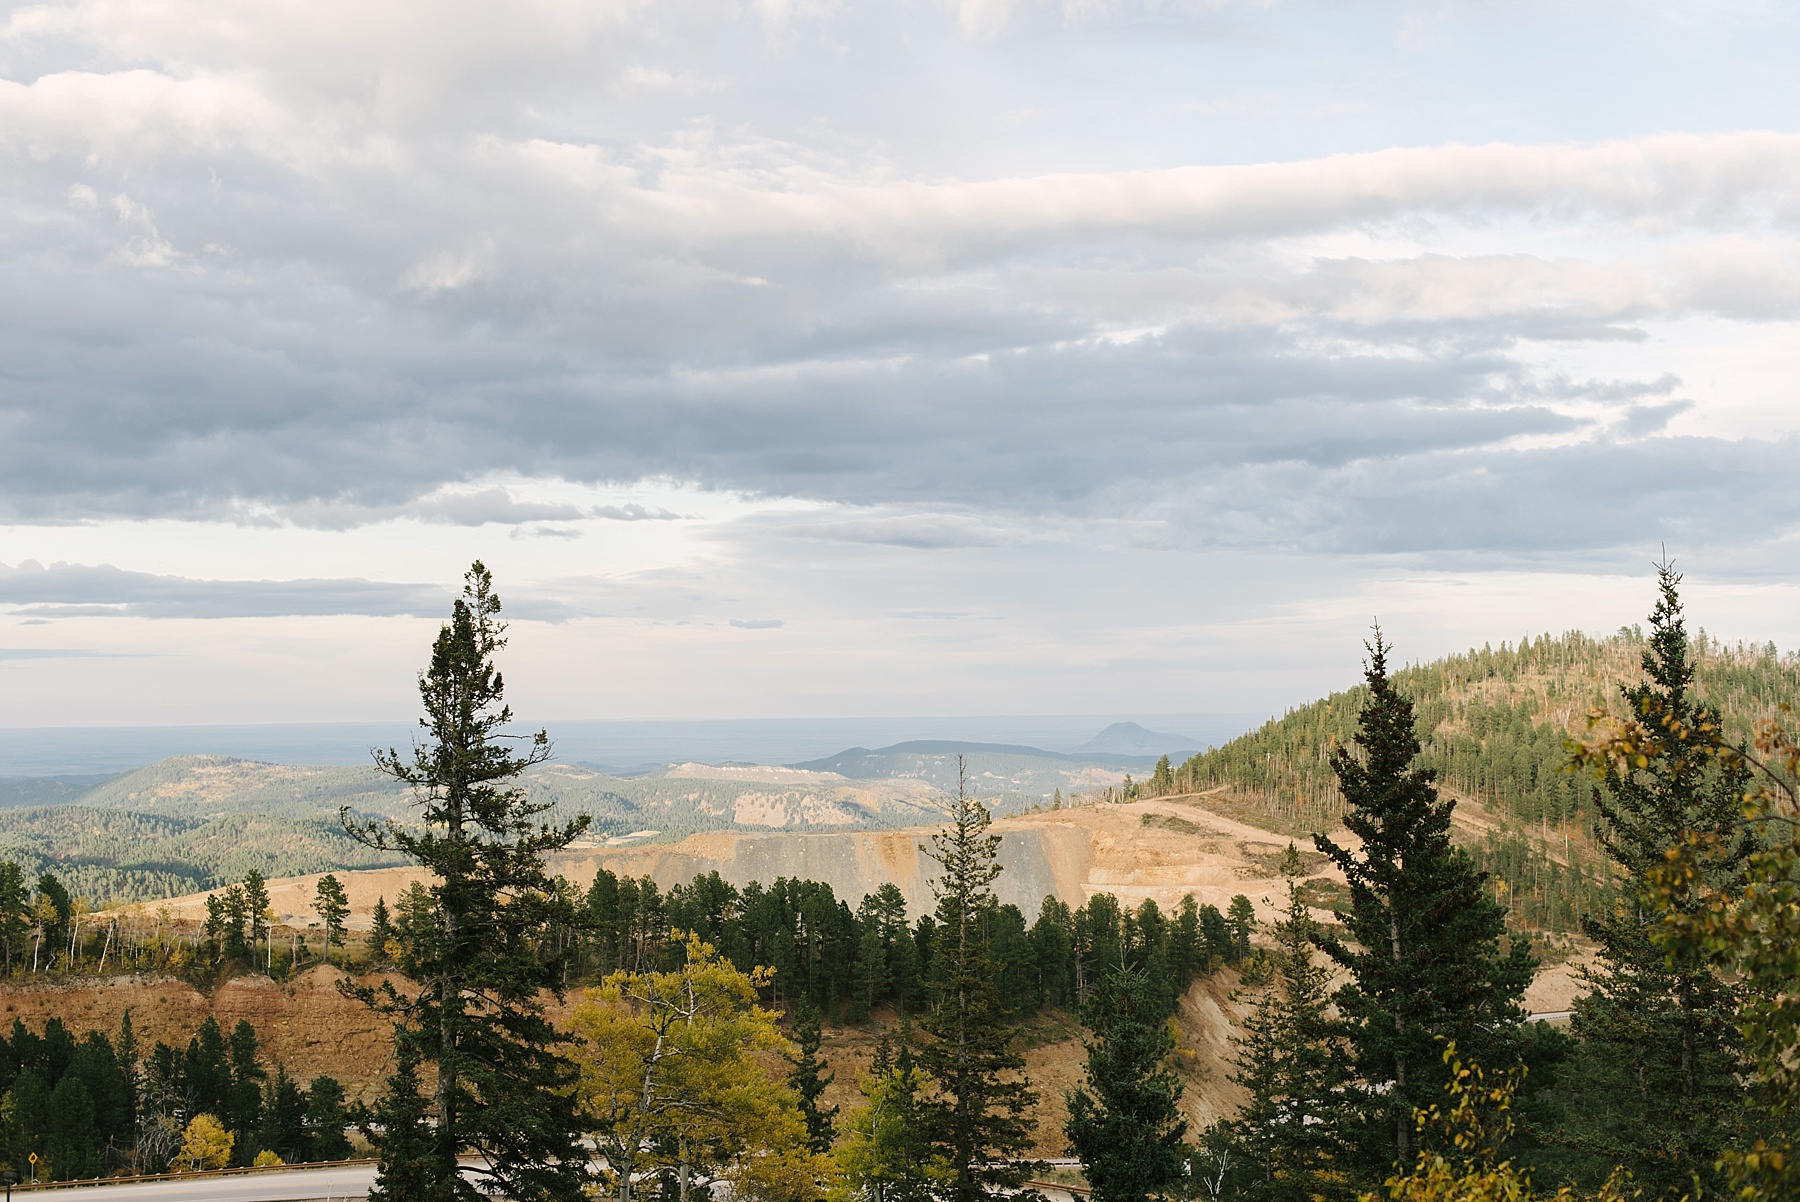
(140, 1177)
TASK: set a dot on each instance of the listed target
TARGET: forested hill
(1493, 722)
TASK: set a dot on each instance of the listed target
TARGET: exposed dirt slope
(1161, 849)
(311, 1029)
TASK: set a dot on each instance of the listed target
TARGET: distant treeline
(113, 855)
(846, 962)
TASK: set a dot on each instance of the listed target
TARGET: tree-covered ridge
(1493, 722)
(110, 855)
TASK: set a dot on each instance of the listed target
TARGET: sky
(808, 358)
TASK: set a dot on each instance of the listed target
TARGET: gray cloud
(240, 288)
(492, 505)
(82, 590)
(758, 623)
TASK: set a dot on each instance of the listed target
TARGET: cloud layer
(1023, 354)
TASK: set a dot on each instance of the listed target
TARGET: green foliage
(1241, 917)
(503, 1090)
(809, 1079)
(55, 913)
(1293, 1059)
(381, 932)
(15, 914)
(325, 1120)
(978, 1116)
(409, 1168)
(1655, 1087)
(887, 1155)
(115, 855)
(670, 1082)
(1421, 938)
(88, 1108)
(1125, 1122)
(1460, 1158)
(333, 907)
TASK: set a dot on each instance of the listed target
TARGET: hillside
(1494, 723)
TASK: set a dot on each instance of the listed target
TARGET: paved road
(335, 1184)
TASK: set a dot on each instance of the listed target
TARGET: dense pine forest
(103, 1104)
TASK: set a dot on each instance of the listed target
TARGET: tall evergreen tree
(381, 932)
(71, 1136)
(326, 1118)
(243, 1097)
(1053, 940)
(503, 1088)
(1424, 948)
(55, 914)
(256, 910)
(809, 1078)
(1292, 1060)
(1241, 918)
(332, 905)
(1125, 1121)
(15, 912)
(399, 1124)
(231, 915)
(283, 1126)
(979, 1115)
(1655, 1083)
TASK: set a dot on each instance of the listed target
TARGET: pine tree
(256, 909)
(979, 1116)
(399, 1124)
(283, 1127)
(243, 1097)
(503, 1090)
(1187, 943)
(1424, 948)
(326, 1118)
(1125, 1122)
(1241, 917)
(232, 912)
(381, 932)
(71, 1137)
(55, 912)
(15, 912)
(1655, 1083)
(886, 1155)
(809, 1078)
(1162, 780)
(332, 906)
(1292, 1060)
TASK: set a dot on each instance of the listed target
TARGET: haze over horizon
(828, 358)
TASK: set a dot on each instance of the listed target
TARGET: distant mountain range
(187, 823)
(1118, 748)
(627, 747)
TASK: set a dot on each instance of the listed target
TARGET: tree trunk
(1403, 1122)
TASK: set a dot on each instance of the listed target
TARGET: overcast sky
(799, 358)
